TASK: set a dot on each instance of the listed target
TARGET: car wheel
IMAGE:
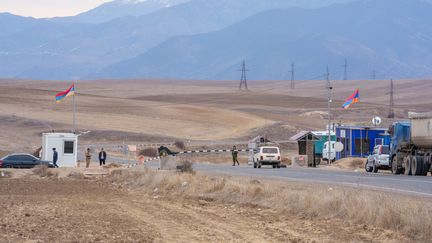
(368, 168)
(279, 166)
(255, 165)
(374, 167)
(259, 165)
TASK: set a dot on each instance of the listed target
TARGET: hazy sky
(48, 8)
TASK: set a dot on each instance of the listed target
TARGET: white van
(267, 155)
(325, 152)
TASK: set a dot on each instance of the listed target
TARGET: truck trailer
(411, 145)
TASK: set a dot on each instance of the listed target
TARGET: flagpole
(74, 111)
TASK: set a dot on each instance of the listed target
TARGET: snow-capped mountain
(120, 8)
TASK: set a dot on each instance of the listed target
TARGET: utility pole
(374, 74)
(345, 69)
(329, 100)
(243, 80)
(391, 106)
(292, 76)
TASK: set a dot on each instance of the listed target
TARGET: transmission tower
(243, 80)
(292, 76)
(391, 106)
(345, 69)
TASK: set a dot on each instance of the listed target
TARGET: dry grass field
(157, 206)
(142, 111)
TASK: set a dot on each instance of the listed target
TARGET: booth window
(379, 141)
(68, 147)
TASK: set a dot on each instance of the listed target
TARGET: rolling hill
(391, 36)
(76, 48)
(207, 39)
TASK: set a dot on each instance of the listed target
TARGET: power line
(243, 80)
(292, 76)
(280, 85)
(391, 106)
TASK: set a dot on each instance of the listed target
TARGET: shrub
(76, 175)
(180, 145)
(43, 171)
(149, 152)
(5, 174)
(186, 166)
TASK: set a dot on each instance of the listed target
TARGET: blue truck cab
(400, 133)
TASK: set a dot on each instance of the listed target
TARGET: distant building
(359, 141)
(306, 146)
(66, 145)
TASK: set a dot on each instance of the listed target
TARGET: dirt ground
(91, 210)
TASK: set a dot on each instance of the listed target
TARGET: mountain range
(208, 39)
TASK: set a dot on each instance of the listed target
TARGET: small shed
(306, 145)
(359, 141)
(66, 145)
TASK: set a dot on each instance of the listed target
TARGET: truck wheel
(407, 165)
(426, 165)
(395, 167)
(374, 168)
(416, 165)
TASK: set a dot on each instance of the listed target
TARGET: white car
(379, 159)
(267, 155)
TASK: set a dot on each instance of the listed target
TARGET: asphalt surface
(421, 186)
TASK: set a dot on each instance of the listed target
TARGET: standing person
(88, 157)
(234, 156)
(55, 158)
(102, 157)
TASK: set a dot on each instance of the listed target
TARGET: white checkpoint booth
(66, 145)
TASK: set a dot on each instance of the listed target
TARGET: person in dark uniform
(102, 157)
(88, 157)
(235, 155)
(55, 158)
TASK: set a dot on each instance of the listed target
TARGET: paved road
(421, 186)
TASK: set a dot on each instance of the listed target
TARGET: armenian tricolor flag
(354, 98)
(64, 94)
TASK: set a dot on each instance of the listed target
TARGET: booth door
(346, 152)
